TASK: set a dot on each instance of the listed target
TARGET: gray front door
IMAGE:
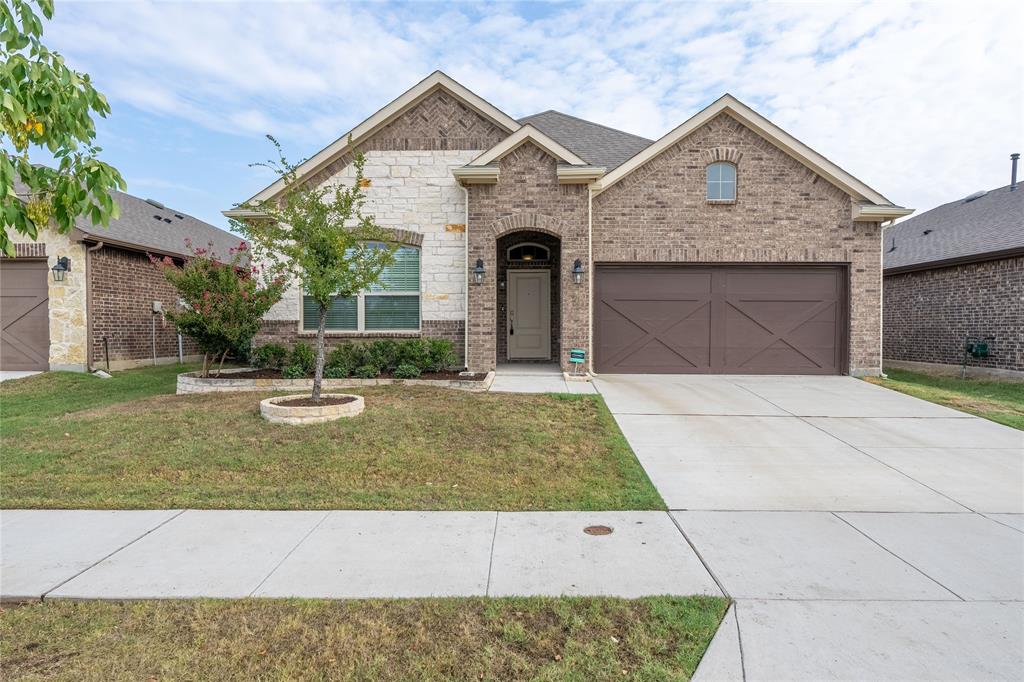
(529, 314)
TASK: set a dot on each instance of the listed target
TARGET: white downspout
(465, 312)
(590, 276)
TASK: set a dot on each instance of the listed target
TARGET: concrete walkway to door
(863, 534)
(535, 377)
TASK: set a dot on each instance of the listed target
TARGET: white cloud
(922, 101)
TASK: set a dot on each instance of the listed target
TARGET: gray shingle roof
(596, 144)
(149, 227)
(960, 229)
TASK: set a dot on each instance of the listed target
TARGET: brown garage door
(721, 319)
(24, 315)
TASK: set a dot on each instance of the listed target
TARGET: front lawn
(1000, 401)
(660, 638)
(74, 441)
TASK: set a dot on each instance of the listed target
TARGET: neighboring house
(726, 246)
(101, 312)
(954, 272)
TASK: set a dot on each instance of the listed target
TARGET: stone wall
(928, 313)
(527, 197)
(67, 304)
(123, 286)
(783, 213)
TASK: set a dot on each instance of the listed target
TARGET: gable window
(391, 304)
(721, 182)
(528, 251)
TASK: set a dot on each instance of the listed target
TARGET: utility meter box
(158, 307)
(978, 349)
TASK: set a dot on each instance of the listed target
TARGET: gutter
(956, 260)
(88, 303)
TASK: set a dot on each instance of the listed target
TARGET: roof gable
(528, 133)
(388, 114)
(766, 129)
(597, 144)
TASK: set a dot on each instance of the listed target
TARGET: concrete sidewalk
(341, 554)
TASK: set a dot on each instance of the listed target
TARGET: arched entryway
(528, 297)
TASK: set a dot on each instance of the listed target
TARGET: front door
(529, 315)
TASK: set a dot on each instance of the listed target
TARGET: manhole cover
(598, 530)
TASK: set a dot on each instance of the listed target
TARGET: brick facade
(122, 287)
(927, 313)
(527, 198)
(783, 213)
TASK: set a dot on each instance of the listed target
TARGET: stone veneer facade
(411, 189)
(67, 303)
(927, 314)
(783, 213)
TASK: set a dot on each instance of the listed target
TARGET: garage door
(24, 315)
(723, 319)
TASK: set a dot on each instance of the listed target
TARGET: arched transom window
(721, 182)
(528, 251)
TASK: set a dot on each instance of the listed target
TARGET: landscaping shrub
(414, 352)
(440, 356)
(303, 356)
(367, 372)
(335, 372)
(294, 372)
(383, 354)
(268, 356)
(407, 371)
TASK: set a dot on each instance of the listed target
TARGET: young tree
(43, 103)
(224, 300)
(320, 236)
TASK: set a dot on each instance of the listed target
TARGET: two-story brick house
(726, 246)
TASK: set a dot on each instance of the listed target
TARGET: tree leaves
(46, 104)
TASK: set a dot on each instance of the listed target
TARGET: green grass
(570, 638)
(1000, 401)
(74, 441)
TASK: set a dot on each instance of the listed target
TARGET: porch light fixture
(61, 268)
(478, 271)
(577, 271)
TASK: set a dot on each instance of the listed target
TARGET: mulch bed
(276, 374)
(309, 402)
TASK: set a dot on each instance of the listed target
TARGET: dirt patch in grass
(1000, 401)
(658, 638)
(413, 448)
(309, 402)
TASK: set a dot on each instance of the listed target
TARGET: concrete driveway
(864, 534)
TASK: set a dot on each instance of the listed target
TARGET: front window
(721, 182)
(392, 304)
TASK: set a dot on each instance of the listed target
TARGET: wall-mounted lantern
(577, 271)
(61, 268)
(478, 271)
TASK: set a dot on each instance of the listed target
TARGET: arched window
(528, 251)
(721, 182)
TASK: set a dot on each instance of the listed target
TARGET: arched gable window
(721, 182)
(528, 251)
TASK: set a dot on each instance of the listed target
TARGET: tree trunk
(318, 374)
(206, 365)
(221, 366)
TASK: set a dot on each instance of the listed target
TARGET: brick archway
(526, 222)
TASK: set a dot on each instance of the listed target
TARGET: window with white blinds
(391, 304)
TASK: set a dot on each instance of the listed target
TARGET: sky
(922, 101)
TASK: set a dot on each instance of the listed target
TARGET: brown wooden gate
(720, 319)
(24, 315)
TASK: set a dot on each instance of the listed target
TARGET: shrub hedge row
(405, 359)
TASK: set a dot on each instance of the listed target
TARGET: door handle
(511, 322)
